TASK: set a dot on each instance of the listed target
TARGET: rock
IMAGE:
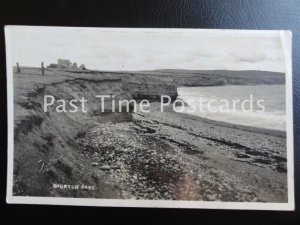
(151, 189)
(105, 167)
(115, 167)
(211, 197)
(95, 164)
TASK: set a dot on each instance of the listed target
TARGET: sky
(148, 49)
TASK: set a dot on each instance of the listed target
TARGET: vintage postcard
(179, 118)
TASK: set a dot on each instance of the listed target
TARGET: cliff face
(152, 84)
(46, 149)
(152, 91)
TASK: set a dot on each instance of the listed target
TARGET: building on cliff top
(66, 64)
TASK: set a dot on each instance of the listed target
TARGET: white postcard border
(286, 38)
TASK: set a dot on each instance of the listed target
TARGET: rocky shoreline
(152, 158)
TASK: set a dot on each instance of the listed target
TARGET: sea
(270, 113)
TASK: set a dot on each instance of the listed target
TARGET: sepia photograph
(137, 117)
